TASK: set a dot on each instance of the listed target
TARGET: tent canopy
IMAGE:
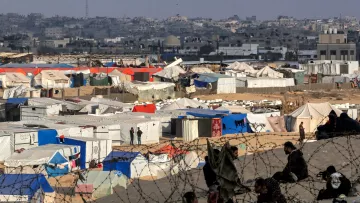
(206, 113)
(183, 104)
(234, 123)
(315, 110)
(170, 150)
(146, 108)
(233, 109)
(241, 67)
(268, 72)
(172, 72)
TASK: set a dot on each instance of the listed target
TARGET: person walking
(132, 136)
(139, 133)
(302, 133)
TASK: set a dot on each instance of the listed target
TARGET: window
(352, 52)
(323, 52)
(332, 52)
(344, 52)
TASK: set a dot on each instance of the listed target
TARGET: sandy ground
(334, 96)
(343, 153)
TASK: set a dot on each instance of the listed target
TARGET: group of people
(138, 133)
(268, 189)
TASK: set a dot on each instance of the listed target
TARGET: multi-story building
(333, 45)
(54, 32)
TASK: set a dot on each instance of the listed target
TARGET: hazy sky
(263, 9)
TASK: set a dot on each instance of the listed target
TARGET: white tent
(151, 130)
(190, 130)
(118, 77)
(100, 183)
(171, 73)
(312, 115)
(184, 103)
(259, 123)
(242, 67)
(233, 109)
(268, 72)
(114, 104)
(14, 79)
(52, 79)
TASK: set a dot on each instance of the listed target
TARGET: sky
(216, 9)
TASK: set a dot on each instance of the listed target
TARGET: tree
(206, 49)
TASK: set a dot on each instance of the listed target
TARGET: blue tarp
(207, 79)
(200, 84)
(24, 184)
(120, 161)
(234, 124)
(56, 171)
(110, 64)
(205, 113)
(47, 136)
(17, 101)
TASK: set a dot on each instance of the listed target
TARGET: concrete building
(306, 55)
(244, 50)
(54, 32)
(171, 44)
(335, 46)
(58, 43)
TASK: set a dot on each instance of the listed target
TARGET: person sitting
(336, 184)
(269, 191)
(328, 130)
(296, 169)
(189, 197)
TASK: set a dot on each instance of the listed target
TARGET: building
(57, 43)
(54, 32)
(335, 46)
(171, 44)
(244, 50)
(306, 55)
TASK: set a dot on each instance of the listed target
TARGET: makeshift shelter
(146, 108)
(268, 72)
(123, 107)
(151, 130)
(131, 164)
(100, 183)
(205, 113)
(2, 112)
(233, 109)
(150, 91)
(259, 123)
(169, 74)
(12, 108)
(190, 130)
(184, 103)
(99, 80)
(170, 150)
(234, 124)
(277, 123)
(51, 160)
(311, 114)
(26, 188)
(13, 79)
(219, 83)
(51, 79)
(242, 67)
(117, 77)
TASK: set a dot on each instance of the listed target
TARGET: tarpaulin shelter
(118, 77)
(149, 91)
(242, 67)
(151, 130)
(220, 83)
(234, 123)
(99, 80)
(234, 109)
(146, 108)
(311, 114)
(12, 108)
(13, 79)
(100, 183)
(131, 164)
(268, 72)
(170, 150)
(51, 160)
(205, 113)
(277, 123)
(259, 123)
(143, 73)
(52, 79)
(26, 188)
(169, 73)
(184, 103)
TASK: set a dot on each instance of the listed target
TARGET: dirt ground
(351, 96)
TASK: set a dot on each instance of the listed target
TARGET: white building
(244, 50)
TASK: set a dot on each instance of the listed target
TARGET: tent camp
(26, 188)
(169, 73)
(131, 164)
(311, 114)
(268, 72)
(219, 83)
(52, 79)
(13, 79)
(100, 183)
(151, 130)
(259, 123)
(184, 103)
(51, 160)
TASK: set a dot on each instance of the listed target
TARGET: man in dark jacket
(139, 133)
(269, 191)
(132, 136)
(296, 169)
(209, 173)
(336, 184)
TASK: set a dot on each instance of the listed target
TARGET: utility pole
(86, 9)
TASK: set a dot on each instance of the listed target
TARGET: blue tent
(234, 123)
(205, 113)
(52, 169)
(47, 136)
(23, 185)
(120, 161)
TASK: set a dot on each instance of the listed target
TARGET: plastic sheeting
(268, 72)
(52, 79)
(171, 73)
(277, 123)
(259, 123)
(190, 130)
(234, 124)
(150, 128)
(270, 82)
(184, 103)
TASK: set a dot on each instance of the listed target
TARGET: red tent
(146, 108)
(170, 150)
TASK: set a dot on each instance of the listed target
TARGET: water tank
(325, 31)
(330, 30)
(335, 30)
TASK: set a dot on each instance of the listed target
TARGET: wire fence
(150, 177)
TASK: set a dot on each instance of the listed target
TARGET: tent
(243, 67)
(277, 123)
(221, 84)
(52, 79)
(233, 109)
(150, 91)
(205, 113)
(268, 72)
(12, 79)
(312, 115)
(151, 130)
(52, 160)
(146, 108)
(170, 150)
(234, 124)
(131, 164)
(259, 123)
(100, 183)
(124, 107)
(190, 130)
(184, 103)
(170, 73)
(26, 188)
(12, 108)
(118, 77)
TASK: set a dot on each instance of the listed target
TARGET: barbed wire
(261, 155)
